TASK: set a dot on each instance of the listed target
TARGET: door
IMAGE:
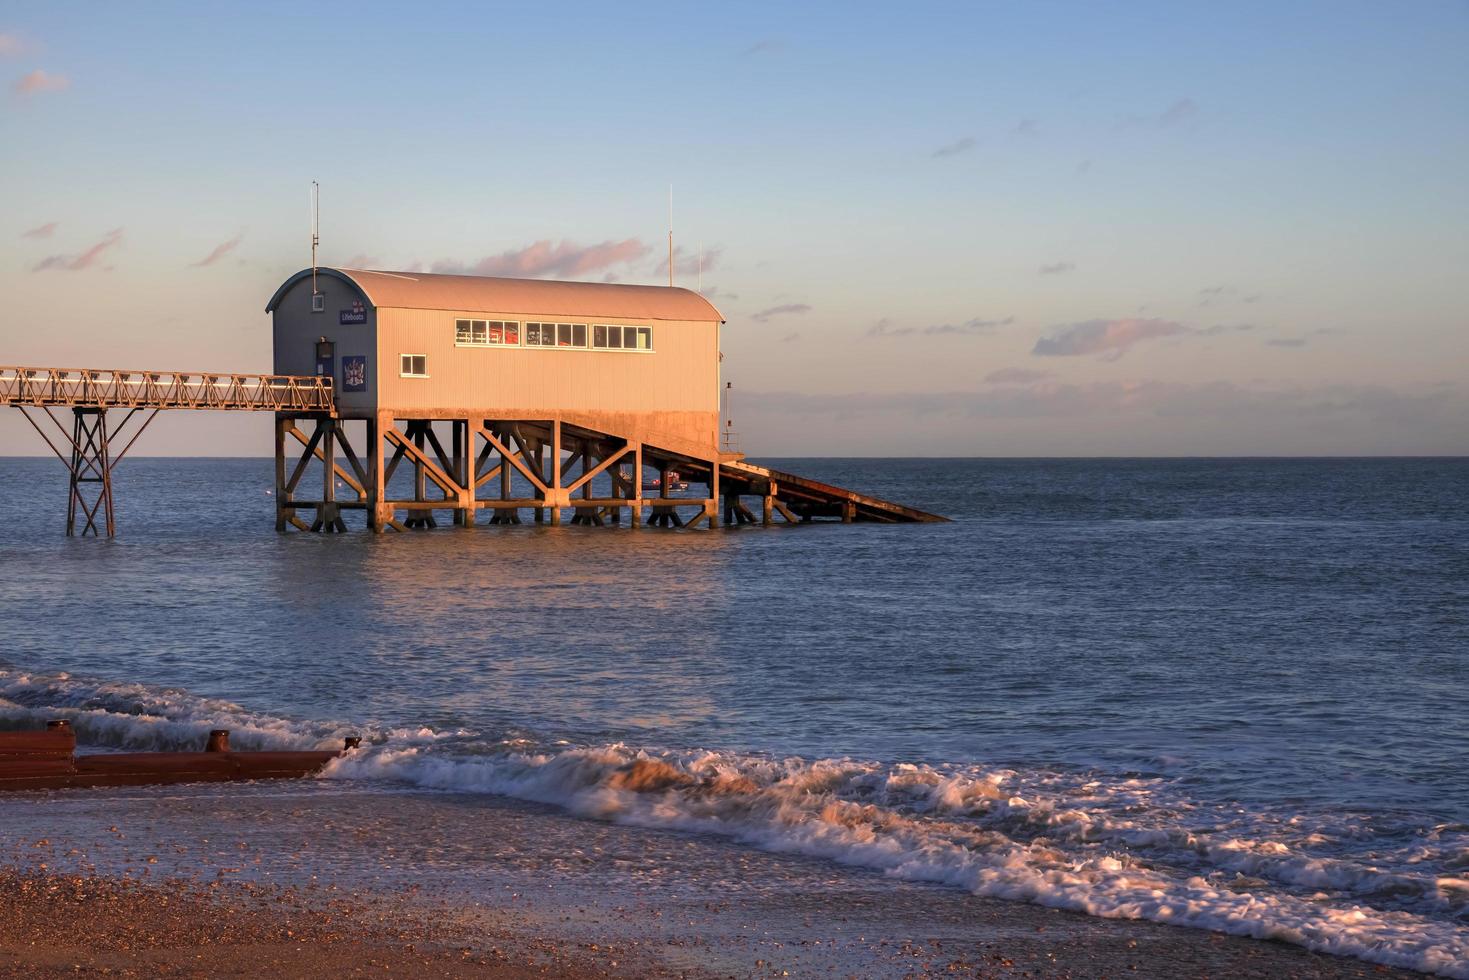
(326, 358)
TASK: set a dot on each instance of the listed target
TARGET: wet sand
(321, 880)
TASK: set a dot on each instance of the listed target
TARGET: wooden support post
(464, 430)
(849, 511)
(635, 517)
(417, 435)
(376, 484)
(767, 511)
(282, 495)
(714, 494)
(555, 483)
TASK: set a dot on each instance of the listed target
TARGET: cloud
(75, 263)
(955, 148)
(39, 81)
(1176, 114)
(790, 338)
(41, 231)
(977, 325)
(1015, 376)
(11, 45)
(786, 309)
(563, 259)
(712, 293)
(1221, 328)
(1180, 111)
(220, 251)
(767, 45)
(1025, 127)
(364, 261)
(1304, 339)
(1056, 268)
(1342, 404)
(686, 262)
(1110, 338)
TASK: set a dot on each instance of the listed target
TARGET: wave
(1127, 848)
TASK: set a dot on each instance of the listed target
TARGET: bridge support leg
(90, 467)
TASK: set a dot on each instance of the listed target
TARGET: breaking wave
(1388, 889)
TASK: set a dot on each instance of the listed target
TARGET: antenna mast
(670, 236)
(315, 230)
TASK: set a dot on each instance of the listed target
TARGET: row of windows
(507, 333)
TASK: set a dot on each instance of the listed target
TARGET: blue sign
(354, 372)
(357, 314)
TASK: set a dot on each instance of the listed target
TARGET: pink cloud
(11, 45)
(1110, 338)
(785, 309)
(686, 262)
(75, 263)
(1015, 376)
(42, 231)
(564, 259)
(40, 81)
(220, 251)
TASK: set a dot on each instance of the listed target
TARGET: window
(413, 365)
(556, 334)
(318, 302)
(610, 336)
(486, 333)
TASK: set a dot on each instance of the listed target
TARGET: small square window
(413, 365)
(318, 302)
(461, 331)
(614, 337)
(599, 335)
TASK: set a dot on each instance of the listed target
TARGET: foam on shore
(1108, 846)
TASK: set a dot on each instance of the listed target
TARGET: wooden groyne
(47, 760)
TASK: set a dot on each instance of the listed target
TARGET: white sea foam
(1116, 848)
(1068, 850)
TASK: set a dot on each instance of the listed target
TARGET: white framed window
(612, 336)
(412, 365)
(486, 333)
(318, 302)
(571, 335)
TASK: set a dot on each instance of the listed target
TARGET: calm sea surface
(1242, 685)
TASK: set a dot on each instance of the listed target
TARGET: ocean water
(1231, 694)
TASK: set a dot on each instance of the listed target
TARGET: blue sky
(967, 229)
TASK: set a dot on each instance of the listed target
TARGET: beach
(190, 885)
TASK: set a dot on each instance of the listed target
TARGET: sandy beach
(197, 881)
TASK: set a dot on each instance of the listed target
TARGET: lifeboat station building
(471, 393)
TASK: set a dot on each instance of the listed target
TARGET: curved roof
(531, 297)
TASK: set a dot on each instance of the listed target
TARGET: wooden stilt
(282, 496)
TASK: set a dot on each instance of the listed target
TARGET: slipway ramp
(799, 499)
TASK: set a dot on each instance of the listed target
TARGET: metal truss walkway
(91, 393)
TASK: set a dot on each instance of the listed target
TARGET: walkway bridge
(500, 465)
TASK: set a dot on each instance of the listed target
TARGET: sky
(967, 229)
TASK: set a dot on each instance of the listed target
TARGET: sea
(1229, 694)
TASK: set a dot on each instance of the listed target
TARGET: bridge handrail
(117, 388)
